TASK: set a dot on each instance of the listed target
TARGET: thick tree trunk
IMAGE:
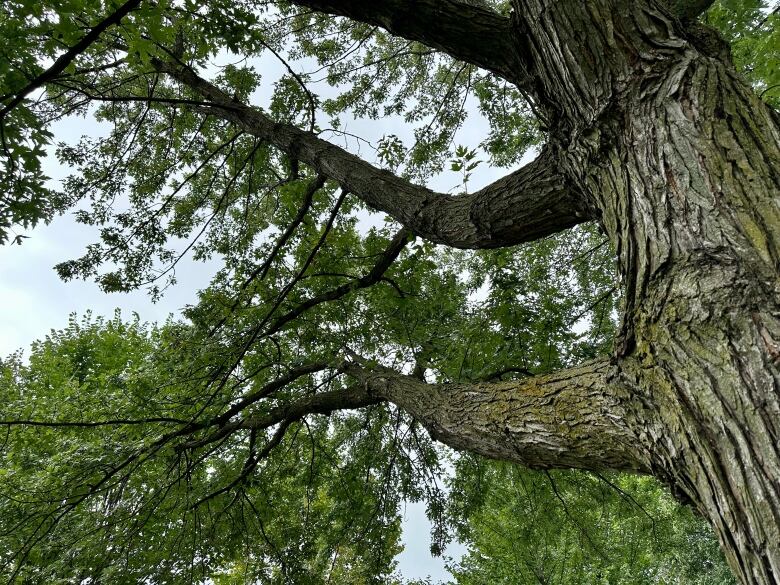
(682, 162)
(700, 254)
(699, 249)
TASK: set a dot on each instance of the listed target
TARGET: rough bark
(682, 160)
(573, 418)
(701, 259)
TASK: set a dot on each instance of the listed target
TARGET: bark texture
(573, 418)
(682, 161)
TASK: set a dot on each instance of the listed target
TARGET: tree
(648, 131)
(569, 527)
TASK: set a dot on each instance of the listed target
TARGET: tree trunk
(701, 261)
(699, 252)
(681, 160)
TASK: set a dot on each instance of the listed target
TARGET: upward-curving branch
(530, 203)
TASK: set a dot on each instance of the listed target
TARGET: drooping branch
(268, 389)
(386, 258)
(323, 403)
(575, 417)
(526, 205)
(469, 33)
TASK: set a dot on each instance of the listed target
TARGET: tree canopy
(251, 440)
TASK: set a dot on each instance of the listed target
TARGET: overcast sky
(33, 300)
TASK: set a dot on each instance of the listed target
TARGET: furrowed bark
(684, 163)
(526, 205)
(469, 33)
(574, 418)
(704, 322)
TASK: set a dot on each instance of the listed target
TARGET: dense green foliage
(572, 527)
(324, 504)
(99, 474)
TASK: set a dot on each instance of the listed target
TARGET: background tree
(647, 129)
(572, 527)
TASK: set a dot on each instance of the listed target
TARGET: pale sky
(33, 300)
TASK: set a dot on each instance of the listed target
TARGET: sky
(33, 300)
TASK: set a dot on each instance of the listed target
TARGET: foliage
(752, 28)
(371, 73)
(572, 527)
(127, 511)
(110, 469)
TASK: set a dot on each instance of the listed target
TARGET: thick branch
(572, 418)
(525, 205)
(469, 33)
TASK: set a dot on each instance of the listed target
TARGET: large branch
(574, 418)
(469, 33)
(526, 205)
